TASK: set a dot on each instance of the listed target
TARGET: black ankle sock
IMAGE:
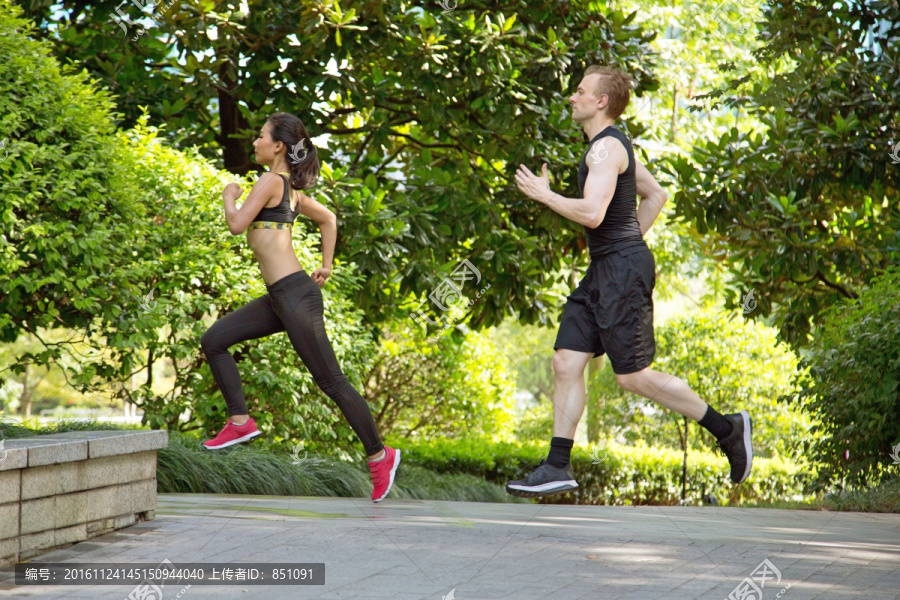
(560, 452)
(716, 424)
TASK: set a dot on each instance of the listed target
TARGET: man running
(611, 310)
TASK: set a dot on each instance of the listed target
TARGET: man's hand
(232, 192)
(536, 188)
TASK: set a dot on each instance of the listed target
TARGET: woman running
(293, 302)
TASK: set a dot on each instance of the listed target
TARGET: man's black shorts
(611, 310)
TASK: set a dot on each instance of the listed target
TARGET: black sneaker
(738, 447)
(543, 481)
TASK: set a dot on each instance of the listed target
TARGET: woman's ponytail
(302, 157)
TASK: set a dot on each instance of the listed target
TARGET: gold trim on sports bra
(269, 225)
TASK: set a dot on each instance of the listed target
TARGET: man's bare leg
(732, 432)
(555, 476)
(569, 394)
(668, 390)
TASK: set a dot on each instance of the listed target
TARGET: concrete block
(10, 490)
(143, 496)
(109, 471)
(32, 544)
(9, 552)
(54, 512)
(109, 502)
(9, 521)
(12, 456)
(100, 526)
(70, 535)
(140, 517)
(59, 489)
(124, 468)
(145, 467)
(40, 482)
(38, 514)
(123, 521)
(70, 477)
(50, 480)
(71, 509)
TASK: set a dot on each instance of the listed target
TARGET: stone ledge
(63, 488)
(79, 445)
(13, 458)
(113, 443)
(42, 451)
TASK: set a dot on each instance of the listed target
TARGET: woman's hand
(320, 275)
(232, 192)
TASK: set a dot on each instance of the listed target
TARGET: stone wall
(67, 487)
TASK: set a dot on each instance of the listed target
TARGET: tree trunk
(27, 395)
(684, 464)
(150, 368)
(234, 150)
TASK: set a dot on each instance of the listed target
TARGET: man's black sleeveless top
(620, 228)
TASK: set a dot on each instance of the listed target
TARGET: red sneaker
(233, 434)
(383, 472)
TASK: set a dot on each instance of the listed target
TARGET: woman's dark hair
(287, 129)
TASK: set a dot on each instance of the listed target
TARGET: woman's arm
(327, 225)
(266, 187)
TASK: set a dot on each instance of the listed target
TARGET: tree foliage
(451, 103)
(804, 209)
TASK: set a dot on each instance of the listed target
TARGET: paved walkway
(415, 550)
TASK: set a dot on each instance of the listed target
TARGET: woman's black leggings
(292, 304)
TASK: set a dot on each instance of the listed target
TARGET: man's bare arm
(653, 197)
(603, 173)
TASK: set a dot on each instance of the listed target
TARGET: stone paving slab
(407, 549)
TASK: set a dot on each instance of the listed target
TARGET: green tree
(804, 210)
(142, 270)
(427, 116)
(119, 240)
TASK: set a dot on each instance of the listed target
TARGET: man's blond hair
(615, 84)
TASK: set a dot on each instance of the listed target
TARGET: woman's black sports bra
(278, 214)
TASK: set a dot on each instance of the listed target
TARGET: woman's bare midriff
(274, 251)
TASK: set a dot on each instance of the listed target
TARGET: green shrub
(123, 237)
(852, 388)
(885, 497)
(58, 230)
(446, 388)
(185, 467)
(12, 429)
